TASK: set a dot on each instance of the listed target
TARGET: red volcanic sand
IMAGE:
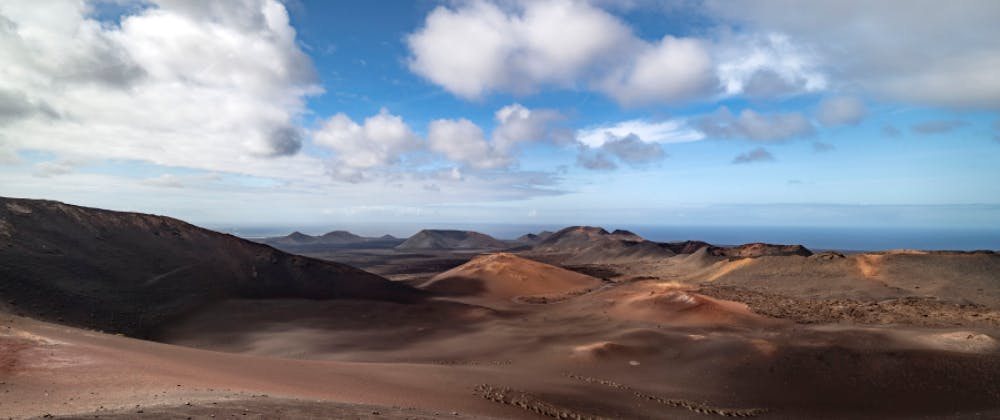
(506, 276)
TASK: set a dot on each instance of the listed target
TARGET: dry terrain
(646, 331)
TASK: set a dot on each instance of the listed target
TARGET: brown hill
(451, 239)
(675, 306)
(130, 272)
(594, 245)
(758, 249)
(507, 276)
(687, 247)
(533, 238)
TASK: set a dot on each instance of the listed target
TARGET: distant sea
(818, 238)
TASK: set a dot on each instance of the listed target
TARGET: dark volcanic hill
(751, 250)
(130, 272)
(298, 242)
(757, 249)
(340, 236)
(294, 238)
(594, 245)
(299, 238)
(451, 239)
(533, 238)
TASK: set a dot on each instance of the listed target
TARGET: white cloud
(633, 151)
(164, 180)
(675, 69)
(667, 131)
(379, 141)
(479, 48)
(766, 66)
(208, 86)
(629, 149)
(919, 51)
(841, 110)
(53, 168)
(751, 125)
(517, 124)
(595, 160)
(464, 142)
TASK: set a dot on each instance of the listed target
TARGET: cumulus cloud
(922, 52)
(379, 141)
(479, 48)
(630, 150)
(595, 160)
(675, 69)
(759, 154)
(841, 110)
(937, 126)
(768, 48)
(751, 125)
(517, 124)
(206, 85)
(463, 141)
(766, 65)
(667, 131)
(15, 105)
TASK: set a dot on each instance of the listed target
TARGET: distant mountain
(131, 272)
(338, 239)
(294, 238)
(451, 239)
(758, 249)
(533, 238)
(340, 236)
(594, 245)
(687, 247)
(751, 250)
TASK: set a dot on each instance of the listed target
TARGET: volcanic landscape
(118, 315)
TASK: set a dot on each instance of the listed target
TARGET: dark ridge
(759, 249)
(451, 239)
(686, 247)
(131, 272)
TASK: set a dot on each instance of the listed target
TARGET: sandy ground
(646, 345)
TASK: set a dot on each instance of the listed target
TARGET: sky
(547, 112)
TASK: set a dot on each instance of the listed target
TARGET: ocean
(817, 238)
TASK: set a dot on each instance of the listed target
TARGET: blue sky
(561, 112)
